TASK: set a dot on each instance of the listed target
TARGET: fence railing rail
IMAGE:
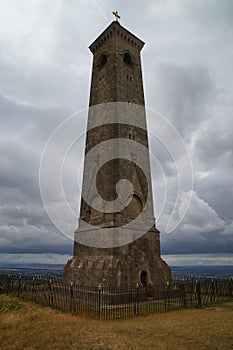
(106, 302)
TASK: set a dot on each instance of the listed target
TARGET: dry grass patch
(26, 326)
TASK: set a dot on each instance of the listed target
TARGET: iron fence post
(19, 286)
(50, 293)
(183, 294)
(33, 289)
(198, 293)
(136, 300)
(99, 300)
(71, 297)
(230, 288)
(8, 284)
(167, 295)
(212, 290)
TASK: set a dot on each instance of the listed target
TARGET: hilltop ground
(27, 326)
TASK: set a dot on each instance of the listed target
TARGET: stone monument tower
(117, 112)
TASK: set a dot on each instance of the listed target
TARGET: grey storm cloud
(183, 94)
(45, 69)
(213, 144)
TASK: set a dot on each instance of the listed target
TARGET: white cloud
(200, 217)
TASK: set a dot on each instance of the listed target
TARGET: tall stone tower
(117, 113)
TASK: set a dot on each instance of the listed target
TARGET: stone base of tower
(110, 271)
(137, 262)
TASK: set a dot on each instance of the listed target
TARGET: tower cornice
(113, 30)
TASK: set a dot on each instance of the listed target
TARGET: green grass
(10, 304)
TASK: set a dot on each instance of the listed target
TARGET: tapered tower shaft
(117, 120)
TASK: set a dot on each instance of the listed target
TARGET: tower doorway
(144, 278)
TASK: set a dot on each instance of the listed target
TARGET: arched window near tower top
(103, 60)
(128, 59)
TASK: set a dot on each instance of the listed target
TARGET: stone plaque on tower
(117, 242)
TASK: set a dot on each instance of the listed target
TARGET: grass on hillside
(27, 326)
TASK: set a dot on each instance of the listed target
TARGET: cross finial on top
(116, 14)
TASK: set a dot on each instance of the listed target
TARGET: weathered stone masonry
(117, 77)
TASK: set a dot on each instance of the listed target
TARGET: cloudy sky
(45, 69)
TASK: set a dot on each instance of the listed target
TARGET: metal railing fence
(105, 302)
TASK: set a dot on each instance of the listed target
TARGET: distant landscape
(57, 269)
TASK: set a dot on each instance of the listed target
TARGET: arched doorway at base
(144, 278)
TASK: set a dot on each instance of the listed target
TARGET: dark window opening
(103, 59)
(143, 278)
(128, 59)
